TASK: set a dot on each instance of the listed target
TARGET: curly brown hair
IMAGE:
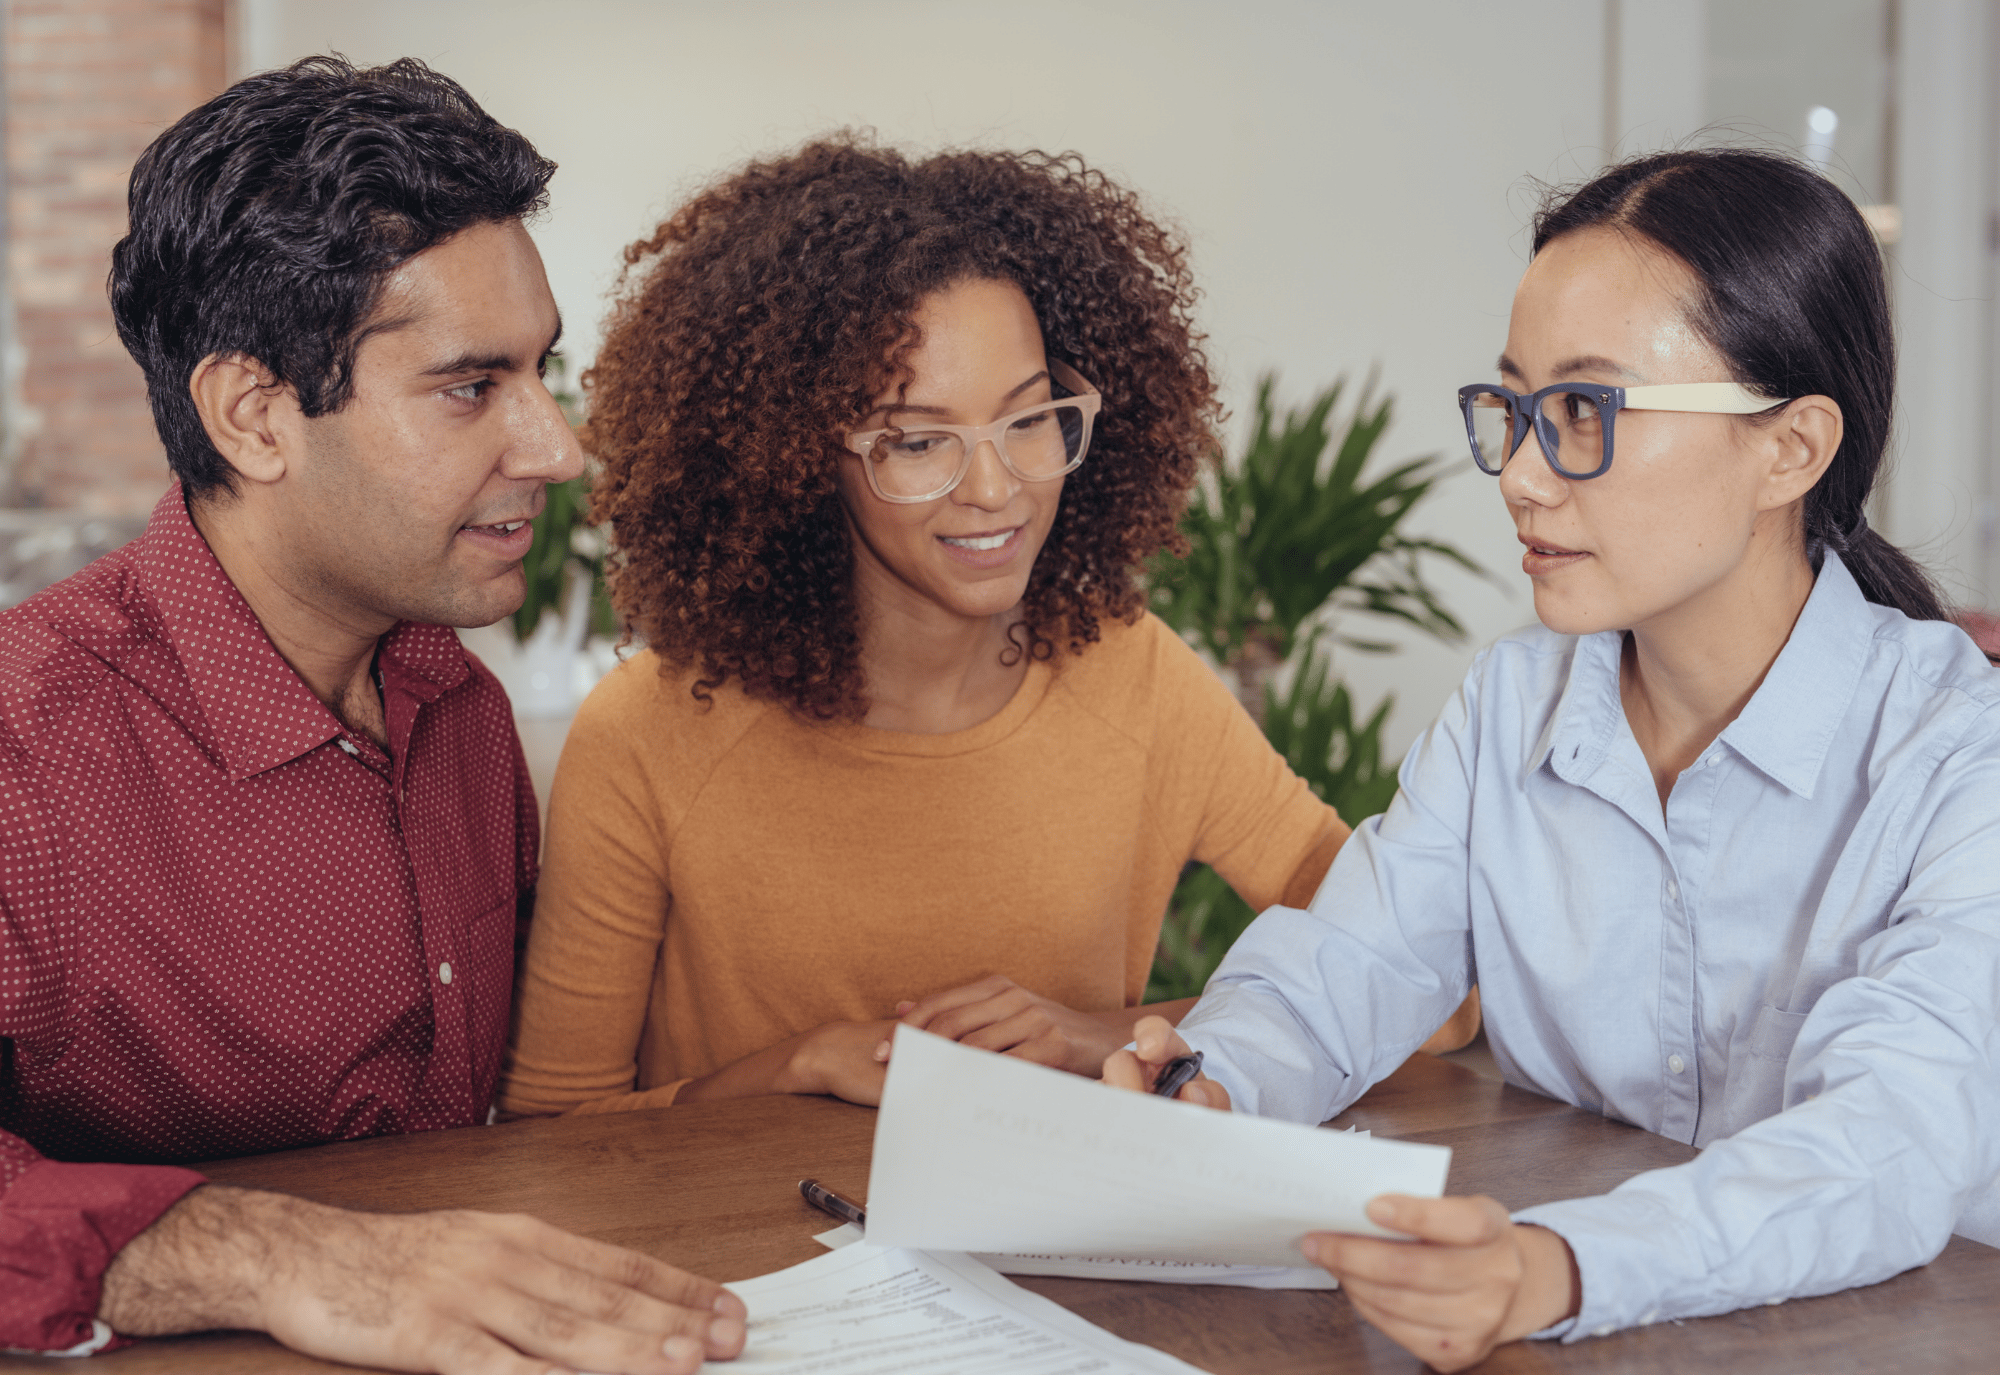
(766, 315)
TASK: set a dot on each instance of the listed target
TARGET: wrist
(803, 1068)
(204, 1264)
(1551, 1290)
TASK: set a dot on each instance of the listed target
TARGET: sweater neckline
(995, 728)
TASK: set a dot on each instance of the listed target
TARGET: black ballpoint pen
(1176, 1074)
(832, 1204)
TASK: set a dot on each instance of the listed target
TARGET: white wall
(1350, 174)
(1940, 497)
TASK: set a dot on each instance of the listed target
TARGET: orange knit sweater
(719, 878)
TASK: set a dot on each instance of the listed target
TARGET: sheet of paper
(1151, 1271)
(866, 1308)
(984, 1153)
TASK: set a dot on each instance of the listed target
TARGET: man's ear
(1803, 441)
(251, 420)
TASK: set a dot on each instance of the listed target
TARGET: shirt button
(1674, 1062)
(444, 977)
(348, 745)
(1604, 1331)
(1673, 891)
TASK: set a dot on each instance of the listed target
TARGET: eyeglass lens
(1569, 421)
(1037, 445)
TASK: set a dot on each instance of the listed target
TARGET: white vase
(551, 673)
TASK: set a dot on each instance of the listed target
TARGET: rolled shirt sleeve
(61, 1225)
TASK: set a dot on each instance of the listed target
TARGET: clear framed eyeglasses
(1574, 420)
(1038, 444)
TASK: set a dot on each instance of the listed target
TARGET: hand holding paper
(979, 1152)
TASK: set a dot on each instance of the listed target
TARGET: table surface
(712, 1187)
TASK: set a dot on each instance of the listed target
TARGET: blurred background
(1355, 178)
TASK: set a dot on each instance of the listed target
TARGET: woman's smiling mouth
(986, 549)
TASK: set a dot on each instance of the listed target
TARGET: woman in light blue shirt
(1720, 842)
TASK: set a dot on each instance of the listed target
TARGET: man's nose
(542, 443)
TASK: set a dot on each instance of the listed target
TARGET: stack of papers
(984, 1153)
(1040, 1172)
(866, 1309)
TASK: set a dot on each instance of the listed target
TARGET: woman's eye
(911, 445)
(1028, 424)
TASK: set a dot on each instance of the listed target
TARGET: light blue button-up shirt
(1796, 967)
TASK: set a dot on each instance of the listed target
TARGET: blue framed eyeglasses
(1574, 420)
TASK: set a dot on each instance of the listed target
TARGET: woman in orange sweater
(885, 444)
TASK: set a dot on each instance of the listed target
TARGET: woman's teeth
(978, 541)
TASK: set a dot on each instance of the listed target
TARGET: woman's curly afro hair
(763, 319)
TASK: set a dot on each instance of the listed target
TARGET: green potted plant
(1285, 542)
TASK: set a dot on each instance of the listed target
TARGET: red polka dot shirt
(228, 923)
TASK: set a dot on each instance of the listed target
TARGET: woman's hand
(1471, 1280)
(998, 1014)
(1156, 1042)
(837, 1058)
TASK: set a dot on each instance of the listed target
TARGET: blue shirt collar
(1785, 728)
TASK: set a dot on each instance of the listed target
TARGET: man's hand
(998, 1014)
(1471, 1280)
(458, 1293)
(1156, 1042)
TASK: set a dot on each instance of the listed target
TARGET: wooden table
(711, 1187)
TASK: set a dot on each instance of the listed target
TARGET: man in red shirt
(265, 829)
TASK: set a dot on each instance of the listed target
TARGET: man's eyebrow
(474, 361)
(940, 410)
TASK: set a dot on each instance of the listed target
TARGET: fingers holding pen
(1155, 1044)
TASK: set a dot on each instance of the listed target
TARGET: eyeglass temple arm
(1713, 398)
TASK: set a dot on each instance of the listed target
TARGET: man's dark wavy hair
(265, 223)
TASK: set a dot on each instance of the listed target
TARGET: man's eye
(470, 391)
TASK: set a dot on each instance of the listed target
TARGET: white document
(1150, 1271)
(985, 1153)
(865, 1309)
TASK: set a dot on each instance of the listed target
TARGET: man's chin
(467, 607)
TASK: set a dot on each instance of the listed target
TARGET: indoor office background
(1355, 178)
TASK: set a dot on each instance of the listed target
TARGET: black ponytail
(1794, 299)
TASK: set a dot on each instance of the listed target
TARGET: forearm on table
(200, 1265)
(787, 1067)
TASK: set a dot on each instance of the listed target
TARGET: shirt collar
(1791, 719)
(1785, 728)
(1581, 728)
(258, 711)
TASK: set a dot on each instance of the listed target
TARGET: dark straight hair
(265, 223)
(1792, 295)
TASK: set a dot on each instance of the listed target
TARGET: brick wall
(89, 83)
